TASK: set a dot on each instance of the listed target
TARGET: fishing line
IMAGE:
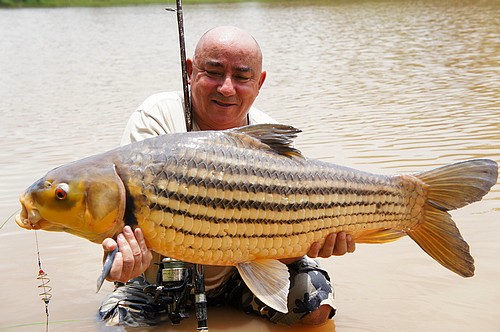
(5, 222)
(46, 289)
(42, 276)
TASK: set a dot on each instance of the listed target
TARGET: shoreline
(6, 4)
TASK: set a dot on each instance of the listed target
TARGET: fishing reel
(175, 281)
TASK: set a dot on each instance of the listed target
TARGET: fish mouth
(29, 217)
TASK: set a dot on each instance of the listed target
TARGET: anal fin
(379, 236)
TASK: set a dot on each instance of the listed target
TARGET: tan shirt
(160, 114)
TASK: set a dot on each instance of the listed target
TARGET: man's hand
(133, 257)
(336, 244)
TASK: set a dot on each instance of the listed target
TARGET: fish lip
(28, 218)
(22, 218)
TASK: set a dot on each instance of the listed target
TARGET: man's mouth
(224, 103)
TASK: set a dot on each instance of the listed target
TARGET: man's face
(225, 79)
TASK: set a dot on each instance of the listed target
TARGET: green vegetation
(103, 3)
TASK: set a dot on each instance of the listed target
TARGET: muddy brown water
(382, 86)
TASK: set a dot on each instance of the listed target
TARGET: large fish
(246, 197)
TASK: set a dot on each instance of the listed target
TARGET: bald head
(225, 75)
(229, 37)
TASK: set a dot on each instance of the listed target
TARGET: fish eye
(61, 191)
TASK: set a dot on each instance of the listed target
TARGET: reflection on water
(383, 86)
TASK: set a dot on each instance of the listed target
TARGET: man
(225, 76)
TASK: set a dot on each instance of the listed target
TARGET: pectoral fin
(106, 267)
(268, 279)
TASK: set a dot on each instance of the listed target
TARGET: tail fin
(452, 187)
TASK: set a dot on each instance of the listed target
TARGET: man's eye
(213, 73)
(243, 78)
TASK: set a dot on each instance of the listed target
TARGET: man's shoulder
(256, 116)
(164, 109)
(161, 113)
(170, 99)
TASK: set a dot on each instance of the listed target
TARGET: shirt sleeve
(160, 114)
(256, 116)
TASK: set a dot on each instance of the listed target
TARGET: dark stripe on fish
(272, 206)
(129, 218)
(272, 235)
(274, 221)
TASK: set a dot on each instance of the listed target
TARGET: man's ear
(189, 67)
(262, 78)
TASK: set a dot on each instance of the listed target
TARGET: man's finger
(128, 260)
(116, 269)
(108, 245)
(340, 244)
(132, 241)
(329, 245)
(147, 256)
(140, 240)
(314, 250)
(351, 245)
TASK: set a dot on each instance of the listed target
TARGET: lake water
(382, 86)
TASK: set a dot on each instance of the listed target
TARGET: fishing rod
(194, 272)
(175, 279)
(182, 48)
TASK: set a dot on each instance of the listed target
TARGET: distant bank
(107, 3)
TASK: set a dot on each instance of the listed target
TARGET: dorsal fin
(278, 137)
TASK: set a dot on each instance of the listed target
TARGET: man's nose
(226, 88)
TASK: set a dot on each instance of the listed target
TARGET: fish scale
(246, 197)
(213, 189)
